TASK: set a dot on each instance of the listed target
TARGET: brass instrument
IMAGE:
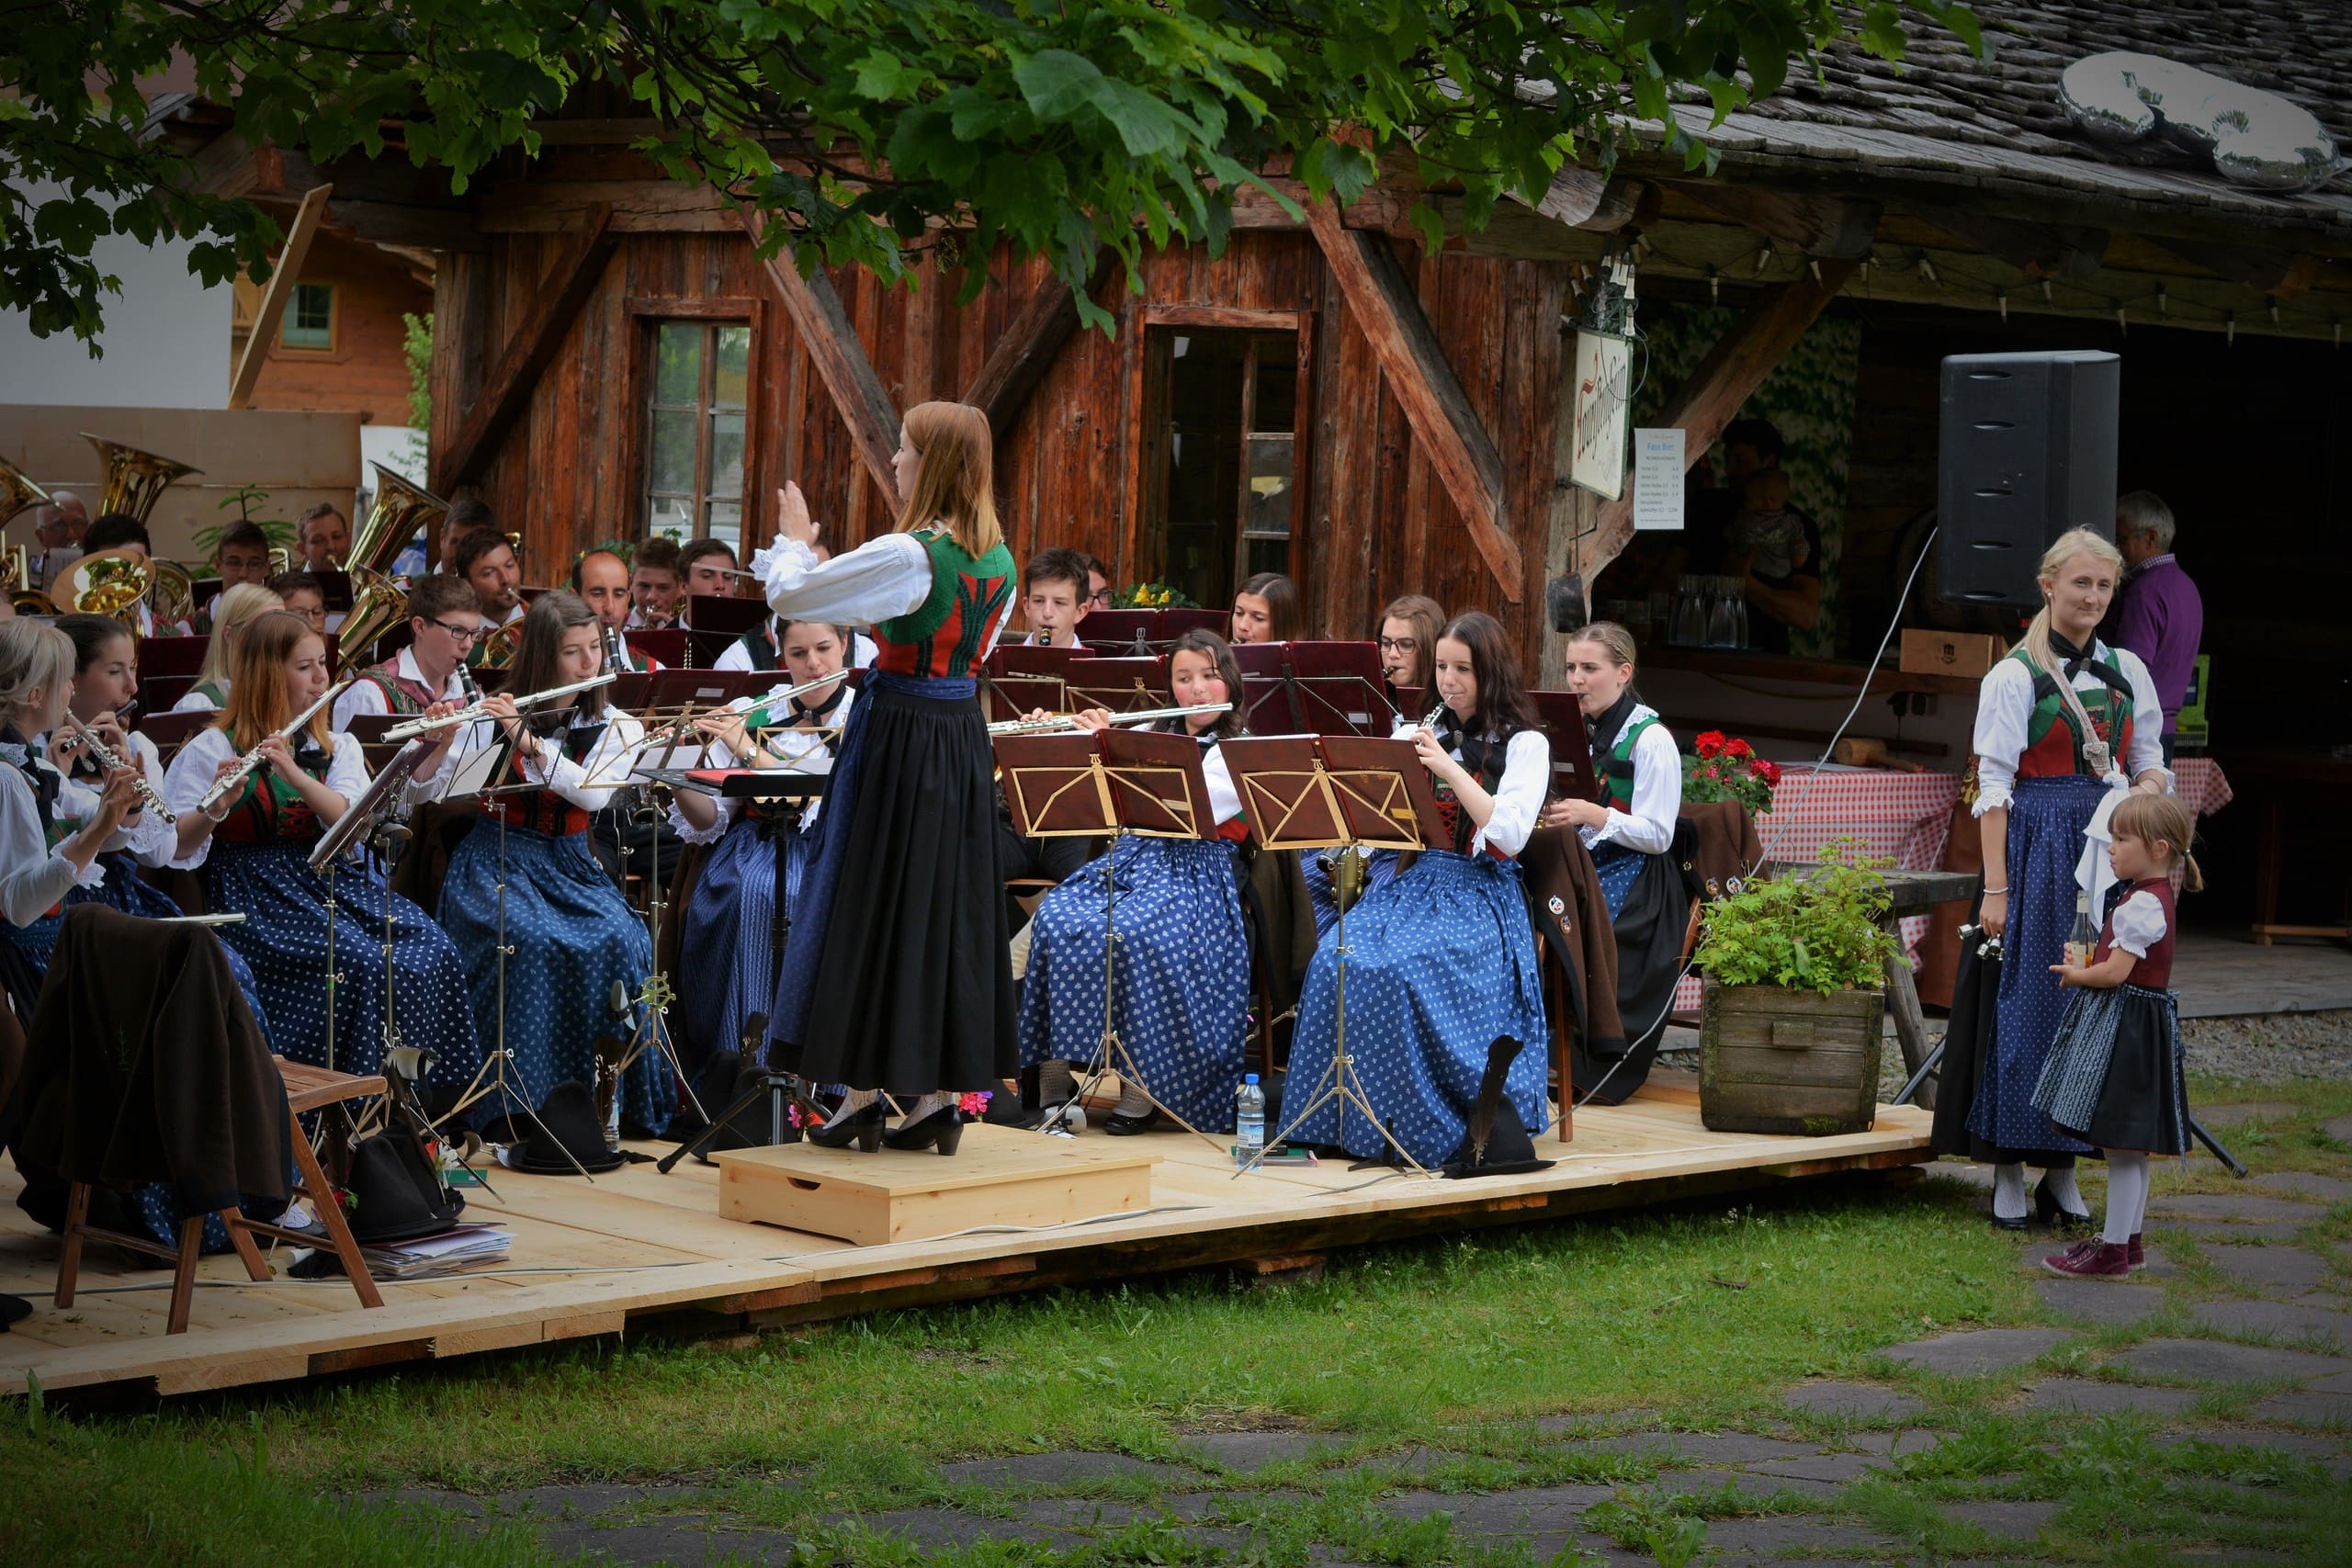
(1061, 721)
(16, 582)
(85, 736)
(399, 509)
(16, 493)
(231, 781)
(172, 595)
(468, 715)
(498, 649)
(135, 480)
(109, 585)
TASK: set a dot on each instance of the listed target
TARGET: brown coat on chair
(1571, 919)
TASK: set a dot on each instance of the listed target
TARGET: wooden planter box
(1779, 1060)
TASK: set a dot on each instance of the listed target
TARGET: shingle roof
(1943, 116)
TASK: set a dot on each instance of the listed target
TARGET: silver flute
(467, 715)
(1118, 721)
(85, 736)
(231, 781)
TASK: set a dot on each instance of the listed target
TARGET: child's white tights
(2127, 1195)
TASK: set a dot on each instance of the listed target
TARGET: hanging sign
(1602, 366)
(1658, 470)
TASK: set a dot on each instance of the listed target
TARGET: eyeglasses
(1100, 601)
(463, 634)
(1398, 644)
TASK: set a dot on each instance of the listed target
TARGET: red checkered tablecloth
(2199, 782)
(1907, 816)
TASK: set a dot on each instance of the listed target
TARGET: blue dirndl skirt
(727, 945)
(282, 940)
(1440, 962)
(1184, 972)
(2047, 816)
(1617, 868)
(1380, 870)
(572, 938)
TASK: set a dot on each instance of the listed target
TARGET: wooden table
(2311, 781)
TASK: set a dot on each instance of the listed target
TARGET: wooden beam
(506, 389)
(1463, 456)
(1019, 360)
(1733, 369)
(841, 359)
(1584, 199)
(2277, 273)
(1805, 223)
(281, 287)
(2038, 250)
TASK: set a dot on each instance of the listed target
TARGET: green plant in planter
(1808, 929)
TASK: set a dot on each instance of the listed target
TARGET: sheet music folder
(1304, 792)
(1111, 781)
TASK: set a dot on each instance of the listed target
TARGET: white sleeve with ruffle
(1648, 828)
(879, 580)
(2138, 923)
(33, 876)
(2004, 707)
(1518, 797)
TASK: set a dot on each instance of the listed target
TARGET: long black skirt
(1970, 1039)
(2113, 1077)
(898, 976)
(1649, 928)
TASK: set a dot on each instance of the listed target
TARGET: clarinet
(615, 659)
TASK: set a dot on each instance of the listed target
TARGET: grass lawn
(1690, 1321)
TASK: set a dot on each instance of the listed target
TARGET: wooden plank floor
(587, 1258)
(2223, 974)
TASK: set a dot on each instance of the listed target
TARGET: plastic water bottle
(1249, 1121)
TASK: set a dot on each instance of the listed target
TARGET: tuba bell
(16, 493)
(399, 509)
(134, 480)
(109, 585)
(497, 649)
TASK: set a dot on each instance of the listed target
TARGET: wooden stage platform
(637, 1246)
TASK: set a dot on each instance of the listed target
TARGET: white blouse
(33, 876)
(802, 751)
(195, 700)
(151, 841)
(365, 696)
(589, 785)
(192, 771)
(1648, 828)
(2138, 923)
(2005, 708)
(1518, 794)
(880, 579)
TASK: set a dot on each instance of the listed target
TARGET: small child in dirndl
(2113, 1076)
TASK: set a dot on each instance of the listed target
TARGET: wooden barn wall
(1377, 521)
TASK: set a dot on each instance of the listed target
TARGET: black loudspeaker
(2028, 452)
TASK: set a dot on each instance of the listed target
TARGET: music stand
(1126, 783)
(1139, 630)
(1349, 792)
(1119, 685)
(1575, 776)
(1339, 689)
(776, 1085)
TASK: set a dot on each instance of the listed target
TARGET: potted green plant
(1794, 1001)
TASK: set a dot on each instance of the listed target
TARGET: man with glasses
(1098, 583)
(445, 620)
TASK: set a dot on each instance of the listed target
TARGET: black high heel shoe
(1120, 1125)
(863, 1126)
(2050, 1212)
(941, 1130)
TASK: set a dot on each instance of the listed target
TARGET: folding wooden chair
(307, 1088)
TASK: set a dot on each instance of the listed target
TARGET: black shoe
(2050, 1212)
(2020, 1223)
(1120, 1125)
(941, 1130)
(862, 1127)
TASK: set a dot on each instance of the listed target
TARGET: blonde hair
(2072, 543)
(259, 704)
(35, 658)
(956, 482)
(1613, 638)
(239, 604)
(2160, 818)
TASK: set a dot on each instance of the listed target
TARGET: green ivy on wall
(1809, 398)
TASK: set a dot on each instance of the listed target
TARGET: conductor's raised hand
(792, 519)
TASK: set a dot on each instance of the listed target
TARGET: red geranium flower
(1769, 771)
(1711, 743)
(1737, 748)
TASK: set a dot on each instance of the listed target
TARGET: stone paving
(2262, 1361)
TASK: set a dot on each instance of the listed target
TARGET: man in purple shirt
(2159, 613)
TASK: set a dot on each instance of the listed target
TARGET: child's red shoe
(2093, 1259)
(2135, 1254)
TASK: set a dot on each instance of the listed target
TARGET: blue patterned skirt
(728, 948)
(2114, 1072)
(283, 938)
(574, 939)
(1617, 868)
(1440, 962)
(1184, 972)
(2047, 816)
(1379, 872)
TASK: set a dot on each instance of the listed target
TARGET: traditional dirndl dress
(1641, 777)
(904, 911)
(2114, 1074)
(257, 863)
(574, 939)
(739, 917)
(1182, 991)
(1380, 870)
(1439, 963)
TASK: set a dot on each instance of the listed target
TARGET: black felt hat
(566, 1123)
(395, 1194)
(1497, 1141)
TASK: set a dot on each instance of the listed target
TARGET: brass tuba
(16, 582)
(498, 649)
(109, 585)
(378, 599)
(134, 480)
(16, 493)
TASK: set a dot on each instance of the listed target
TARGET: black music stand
(1340, 690)
(1126, 783)
(775, 1085)
(1119, 686)
(1575, 775)
(1301, 792)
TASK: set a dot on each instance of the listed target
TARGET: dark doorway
(1220, 497)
